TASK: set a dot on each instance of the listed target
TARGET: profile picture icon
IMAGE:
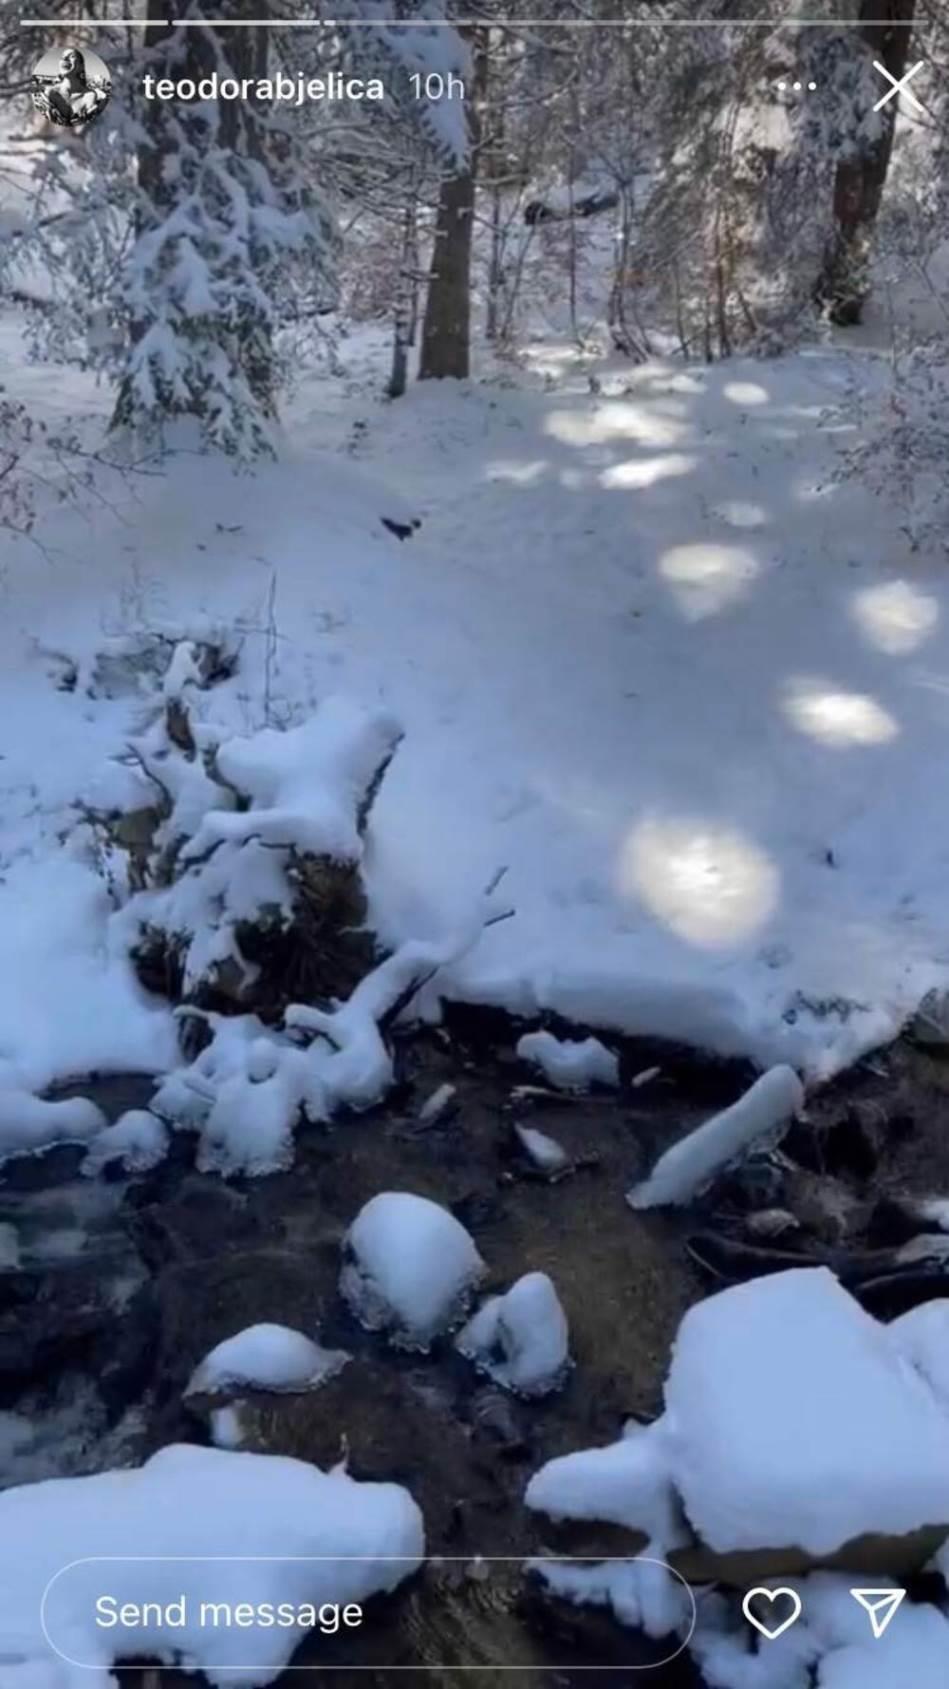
(71, 86)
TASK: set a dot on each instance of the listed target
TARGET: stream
(123, 1284)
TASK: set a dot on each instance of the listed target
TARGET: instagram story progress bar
(513, 22)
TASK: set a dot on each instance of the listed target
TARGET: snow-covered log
(689, 1165)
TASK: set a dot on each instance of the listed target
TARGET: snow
(520, 1339)
(68, 1001)
(249, 1088)
(689, 1165)
(665, 810)
(935, 1210)
(570, 1064)
(922, 1337)
(832, 1638)
(642, 1593)
(780, 1397)
(627, 1483)
(544, 1151)
(435, 1105)
(210, 1524)
(304, 784)
(265, 1357)
(696, 759)
(225, 1426)
(29, 1123)
(138, 1142)
(918, 1643)
(409, 1268)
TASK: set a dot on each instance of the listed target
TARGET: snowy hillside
(646, 654)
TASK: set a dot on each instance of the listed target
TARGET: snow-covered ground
(647, 656)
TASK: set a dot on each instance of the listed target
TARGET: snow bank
(69, 1001)
(689, 1165)
(520, 1339)
(410, 1267)
(266, 1357)
(570, 1064)
(30, 1123)
(161, 1531)
(922, 1338)
(793, 1420)
(629, 1483)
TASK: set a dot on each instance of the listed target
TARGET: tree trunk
(860, 179)
(446, 329)
(406, 305)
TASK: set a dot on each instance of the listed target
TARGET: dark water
(125, 1284)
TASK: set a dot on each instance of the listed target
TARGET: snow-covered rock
(520, 1339)
(266, 1357)
(410, 1268)
(629, 1483)
(794, 1420)
(138, 1141)
(570, 1064)
(694, 1160)
(208, 1524)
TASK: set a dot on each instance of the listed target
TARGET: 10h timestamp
(433, 85)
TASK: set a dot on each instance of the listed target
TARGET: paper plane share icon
(880, 1605)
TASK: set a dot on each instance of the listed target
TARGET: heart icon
(772, 1595)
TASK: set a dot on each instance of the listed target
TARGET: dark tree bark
(859, 181)
(446, 326)
(446, 329)
(406, 305)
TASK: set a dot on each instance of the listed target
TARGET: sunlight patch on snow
(614, 420)
(816, 708)
(519, 474)
(644, 473)
(710, 885)
(745, 393)
(895, 617)
(705, 579)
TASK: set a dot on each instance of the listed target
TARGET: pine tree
(192, 236)
(225, 231)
